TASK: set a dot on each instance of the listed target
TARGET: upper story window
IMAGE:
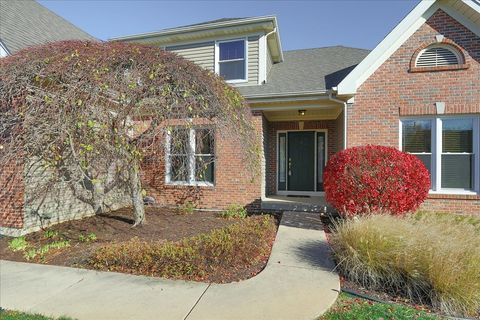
(231, 60)
(438, 56)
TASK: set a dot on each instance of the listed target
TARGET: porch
(299, 137)
(296, 203)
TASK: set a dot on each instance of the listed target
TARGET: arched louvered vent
(437, 56)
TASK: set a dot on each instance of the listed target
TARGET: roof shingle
(26, 23)
(316, 69)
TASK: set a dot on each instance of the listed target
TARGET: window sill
(442, 68)
(454, 194)
(236, 81)
(189, 184)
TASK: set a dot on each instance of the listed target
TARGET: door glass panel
(320, 159)
(282, 161)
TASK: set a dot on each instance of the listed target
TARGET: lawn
(174, 243)
(16, 315)
(349, 307)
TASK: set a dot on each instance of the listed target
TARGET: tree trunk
(136, 196)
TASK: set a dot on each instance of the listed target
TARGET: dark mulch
(162, 224)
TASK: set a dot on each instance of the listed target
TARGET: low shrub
(18, 244)
(429, 258)
(367, 179)
(234, 211)
(187, 208)
(87, 237)
(217, 252)
(49, 234)
(42, 251)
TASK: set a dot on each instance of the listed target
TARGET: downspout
(345, 116)
(273, 31)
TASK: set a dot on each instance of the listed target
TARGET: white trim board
(404, 30)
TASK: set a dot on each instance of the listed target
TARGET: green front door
(301, 161)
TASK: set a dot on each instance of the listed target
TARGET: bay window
(190, 157)
(450, 149)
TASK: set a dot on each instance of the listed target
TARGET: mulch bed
(162, 224)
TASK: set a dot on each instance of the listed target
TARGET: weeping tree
(86, 114)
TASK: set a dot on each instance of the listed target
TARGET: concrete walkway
(296, 284)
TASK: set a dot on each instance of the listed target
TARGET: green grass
(16, 315)
(348, 307)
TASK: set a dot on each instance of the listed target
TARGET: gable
(465, 12)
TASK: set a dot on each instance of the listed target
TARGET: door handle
(289, 166)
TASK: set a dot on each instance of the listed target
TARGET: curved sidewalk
(297, 283)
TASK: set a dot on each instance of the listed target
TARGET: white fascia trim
(197, 28)
(474, 4)
(284, 94)
(387, 46)
(277, 35)
(3, 50)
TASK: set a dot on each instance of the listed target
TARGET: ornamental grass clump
(202, 257)
(428, 258)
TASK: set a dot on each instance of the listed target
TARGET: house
(27, 23)
(418, 90)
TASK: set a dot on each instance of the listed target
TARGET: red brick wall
(234, 181)
(394, 91)
(11, 196)
(334, 132)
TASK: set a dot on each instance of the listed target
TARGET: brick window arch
(439, 56)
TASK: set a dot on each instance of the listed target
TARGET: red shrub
(367, 179)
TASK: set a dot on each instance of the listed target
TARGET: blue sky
(303, 24)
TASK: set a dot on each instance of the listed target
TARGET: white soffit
(407, 27)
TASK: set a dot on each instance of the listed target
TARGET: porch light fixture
(302, 112)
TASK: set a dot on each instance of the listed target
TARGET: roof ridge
(326, 47)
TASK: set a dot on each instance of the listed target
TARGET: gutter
(196, 28)
(345, 115)
(283, 94)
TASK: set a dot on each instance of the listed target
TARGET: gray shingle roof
(25, 23)
(303, 70)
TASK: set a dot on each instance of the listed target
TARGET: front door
(301, 161)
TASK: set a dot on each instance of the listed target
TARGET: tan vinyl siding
(253, 60)
(202, 54)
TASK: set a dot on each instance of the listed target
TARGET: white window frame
(436, 158)
(217, 58)
(191, 160)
